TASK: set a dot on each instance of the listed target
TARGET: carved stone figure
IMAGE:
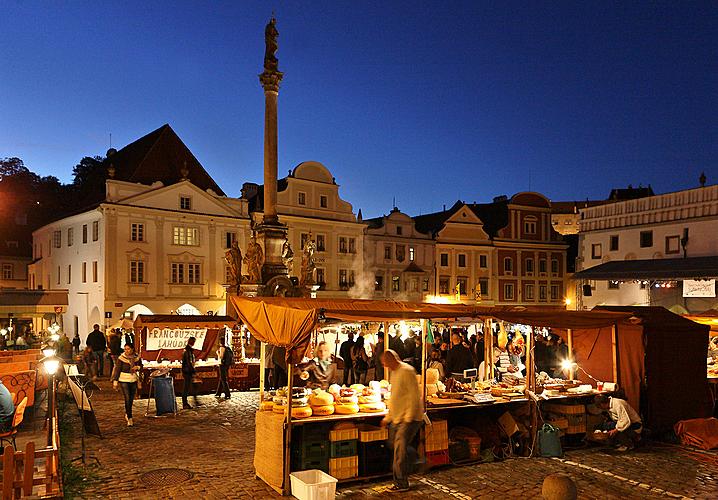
(253, 259)
(270, 40)
(287, 256)
(308, 266)
(233, 256)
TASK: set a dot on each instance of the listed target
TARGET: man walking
(188, 371)
(404, 417)
(226, 358)
(98, 343)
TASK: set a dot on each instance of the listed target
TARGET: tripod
(82, 382)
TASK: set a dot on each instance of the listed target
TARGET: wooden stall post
(286, 488)
(571, 371)
(530, 367)
(386, 335)
(614, 352)
(424, 331)
(262, 368)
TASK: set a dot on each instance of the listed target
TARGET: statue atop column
(307, 273)
(253, 259)
(287, 256)
(271, 63)
(233, 256)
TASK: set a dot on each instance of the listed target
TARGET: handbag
(549, 441)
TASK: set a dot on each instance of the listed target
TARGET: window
(84, 233)
(395, 284)
(352, 245)
(177, 273)
(673, 244)
(323, 201)
(58, 275)
(542, 292)
(185, 236)
(646, 239)
(484, 286)
(321, 243)
(411, 254)
(229, 238)
(400, 253)
(613, 246)
(84, 272)
(462, 260)
(542, 266)
(444, 284)
(56, 239)
(193, 274)
(301, 198)
(554, 292)
(320, 277)
(444, 259)
(351, 278)
(94, 271)
(461, 281)
(554, 266)
(529, 266)
(343, 282)
(482, 261)
(69, 274)
(596, 251)
(529, 292)
(137, 271)
(378, 283)
(7, 272)
(185, 203)
(614, 285)
(342, 244)
(303, 239)
(508, 264)
(425, 285)
(414, 285)
(387, 252)
(70, 236)
(399, 230)
(529, 225)
(95, 230)
(137, 232)
(509, 291)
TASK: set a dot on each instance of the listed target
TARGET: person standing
(226, 358)
(76, 345)
(188, 371)
(404, 417)
(459, 357)
(113, 348)
(376, 356)
(345, 352)
(360, 360)
(125, 375)
(97, 341)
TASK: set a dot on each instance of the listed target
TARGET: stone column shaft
(270, 156)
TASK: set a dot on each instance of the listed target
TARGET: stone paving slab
(215, 443)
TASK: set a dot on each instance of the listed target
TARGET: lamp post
(51, 364)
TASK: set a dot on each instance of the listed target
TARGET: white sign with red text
(174, 338)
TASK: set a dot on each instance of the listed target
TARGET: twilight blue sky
(427, 102)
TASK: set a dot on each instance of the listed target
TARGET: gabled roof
(494, 216)
(413, 268)
(160, 156)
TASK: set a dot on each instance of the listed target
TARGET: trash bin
(165, 401)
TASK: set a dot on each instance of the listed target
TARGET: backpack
(227, 357)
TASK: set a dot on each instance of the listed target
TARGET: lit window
(137, 232)
(193, 274)
(185, 203)
(177, 273)
(411, 254)
(185, 236)
(395, 284)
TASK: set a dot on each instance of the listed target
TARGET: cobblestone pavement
(216, 443)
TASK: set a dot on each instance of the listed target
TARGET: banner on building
(699, 288)
(174, 338)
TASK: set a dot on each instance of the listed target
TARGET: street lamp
(51, 364)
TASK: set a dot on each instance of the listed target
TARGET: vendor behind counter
(320, 372)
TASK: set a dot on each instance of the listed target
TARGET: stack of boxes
(570, 419)
(375, 457)
(310, 449)
(436, 443)
(343, 461)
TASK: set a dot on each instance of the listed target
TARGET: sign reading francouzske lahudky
(174, 338)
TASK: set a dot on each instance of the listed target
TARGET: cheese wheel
(346, 408)
(373, 398)
(266, 405)
(357, 387)
(322, 411)
(351, 400)
(372, 407)
(279, 408)
(321, 399)
(302, 412)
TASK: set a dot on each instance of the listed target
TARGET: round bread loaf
(322, 411)
(346, 408)
(302, 412)
(372, 407)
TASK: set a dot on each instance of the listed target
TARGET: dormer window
(399, 230)
(185, 203)
(530, 225)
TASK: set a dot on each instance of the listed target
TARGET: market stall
(162, 339)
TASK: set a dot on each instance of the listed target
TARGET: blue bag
(549, 441)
